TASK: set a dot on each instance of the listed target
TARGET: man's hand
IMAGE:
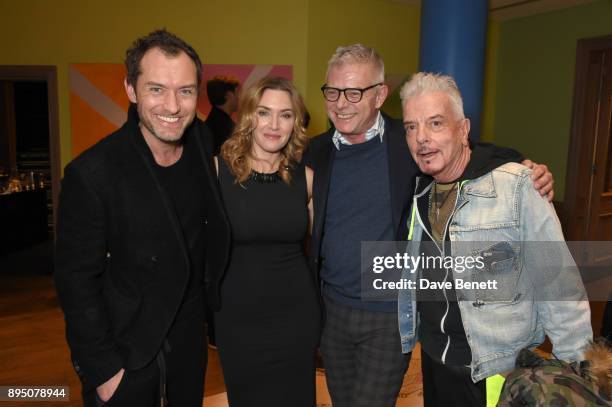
(107, 389)
(542, 179)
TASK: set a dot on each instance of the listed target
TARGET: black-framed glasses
(353, 95)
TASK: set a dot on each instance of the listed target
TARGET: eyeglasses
(353, 95)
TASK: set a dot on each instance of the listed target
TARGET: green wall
(529, 72)
(487, 130)
(535, 81)
(392, 28)
(61, 32)
(302, 33)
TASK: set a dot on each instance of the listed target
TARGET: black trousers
(445, 385)
(210, 326)
(182, 360)
(362, 355)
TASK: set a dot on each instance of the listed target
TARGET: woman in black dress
(269, 323)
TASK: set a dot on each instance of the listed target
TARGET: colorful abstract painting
(98, 103)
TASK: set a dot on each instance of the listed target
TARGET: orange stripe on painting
(88, 126)
(108, 78)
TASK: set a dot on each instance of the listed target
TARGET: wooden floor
(33, 348)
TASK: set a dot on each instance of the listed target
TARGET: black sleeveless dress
(269, 324)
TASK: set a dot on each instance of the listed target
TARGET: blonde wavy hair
(237, 150)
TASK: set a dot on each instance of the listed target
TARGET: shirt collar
(377, 129)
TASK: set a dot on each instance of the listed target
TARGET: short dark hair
(170, 45)
(217, 88)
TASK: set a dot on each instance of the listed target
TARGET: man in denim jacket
(493, 290)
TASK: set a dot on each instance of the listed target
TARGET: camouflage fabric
(542, 382)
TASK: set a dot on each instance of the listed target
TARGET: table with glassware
(23, 218)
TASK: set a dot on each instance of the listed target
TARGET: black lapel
(402, 171)
(209, 172)
(322, 176)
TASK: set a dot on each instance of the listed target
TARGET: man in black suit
(363, 184)
(222, 94)
(139, 219)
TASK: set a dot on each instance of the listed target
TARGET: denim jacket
(502, 212)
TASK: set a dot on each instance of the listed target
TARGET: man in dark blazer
(222, 93)
(140, 217)
(363, 184)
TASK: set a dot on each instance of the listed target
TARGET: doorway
(29, 159)
(588, 197)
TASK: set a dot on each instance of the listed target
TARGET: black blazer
(221, 126)
(122, 264)
(402, 173)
